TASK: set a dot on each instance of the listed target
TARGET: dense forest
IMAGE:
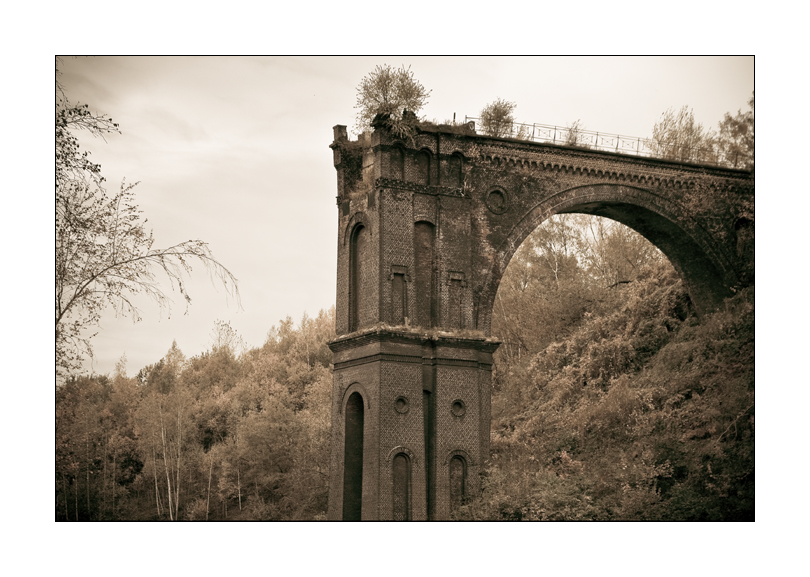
(610, 401)
(227, 434)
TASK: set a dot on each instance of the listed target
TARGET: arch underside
(707, 275)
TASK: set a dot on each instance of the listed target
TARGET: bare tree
(388, 90)
(104, 254)
(676, 136)
(735, 140)
(497, 118)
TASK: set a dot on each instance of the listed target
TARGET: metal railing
(633, 145)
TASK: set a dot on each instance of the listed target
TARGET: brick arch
(354, 388)
(405, 451)
(357, 218)
(459, 453)
(707, 272)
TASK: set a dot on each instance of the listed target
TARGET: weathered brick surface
(481, 197)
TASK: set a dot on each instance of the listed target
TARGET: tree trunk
(208, 500)
(104, 482)
(177, 479)
(64, 486)
(87, 471)
(157, 491)
(113, 487)
(166, 464)
(238, 481)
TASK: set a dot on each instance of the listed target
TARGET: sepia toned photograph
(425, 288)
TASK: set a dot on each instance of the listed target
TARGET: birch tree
(105, 255)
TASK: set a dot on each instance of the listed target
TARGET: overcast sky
(235, 151)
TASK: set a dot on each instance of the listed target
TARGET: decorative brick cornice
(394, 358)
(387, 334)
(601, 164)
(420, 188)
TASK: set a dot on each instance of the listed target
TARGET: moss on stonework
(433, 334)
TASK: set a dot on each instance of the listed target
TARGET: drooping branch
(105, 256)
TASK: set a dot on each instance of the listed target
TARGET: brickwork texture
(427, 226)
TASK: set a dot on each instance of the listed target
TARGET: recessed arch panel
(360, 278)
(354, 414)
(424, 239)
(357, 218)
(454, 177)
(397, 161)
(457, 471)
(422, 167)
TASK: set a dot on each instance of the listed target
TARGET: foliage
(677, 136)
(735, 139)
(452, 126)
(104, 254)
(574, 134)
(497, 118)
(73, 165)
(639, 414)
(570, 267)
(229, 433)
(388, 91)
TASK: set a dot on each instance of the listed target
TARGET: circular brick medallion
(401, 405)
(497, 202)
(458, 408)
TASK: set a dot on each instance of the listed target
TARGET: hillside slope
(642, 414)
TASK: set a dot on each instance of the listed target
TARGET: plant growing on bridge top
(388, 91)
(735, 141)
(676, 136)
(497, 118)
(575, 136)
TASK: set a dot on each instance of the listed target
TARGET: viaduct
(427, 225)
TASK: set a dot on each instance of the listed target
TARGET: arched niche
(401, 461)
(354, 415)
(458, 463)
(452, 175)
(359, 276)
(424, 252)
(457, 471)
(706, 271)
(401, 494)
(422, 167)
(396, 161)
